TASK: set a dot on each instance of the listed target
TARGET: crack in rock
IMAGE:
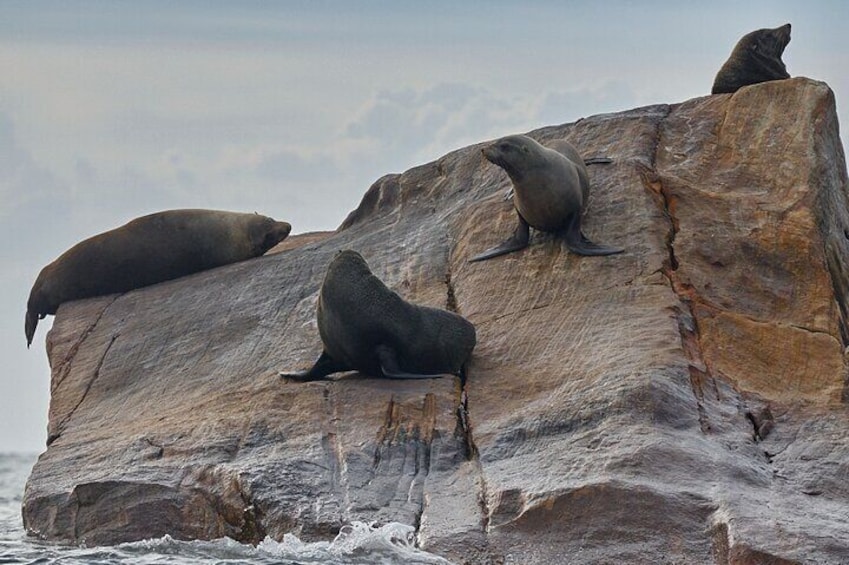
(61, 426)
(63, 369)
(688, 325)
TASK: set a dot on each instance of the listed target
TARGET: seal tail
(30, 324)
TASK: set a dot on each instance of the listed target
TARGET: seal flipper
(30, 324)
(323, 366)
(598, 161)
(578, 243)
(587, 247)
(519, 240)
(390, 369)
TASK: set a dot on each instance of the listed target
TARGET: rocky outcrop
(684, 402)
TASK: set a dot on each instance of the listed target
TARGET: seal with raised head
(148, 250)
(366, 327)
(756, 58)
(551, 189)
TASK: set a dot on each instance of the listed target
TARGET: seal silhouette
(756, 58)
(148, 250)
(551, 188)
(366, 327)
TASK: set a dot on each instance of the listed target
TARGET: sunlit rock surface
(683, 402)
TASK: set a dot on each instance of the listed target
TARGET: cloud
(408, 126)
(23, 182)
(411, 126)
(567, 106)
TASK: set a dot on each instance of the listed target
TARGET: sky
(111, 110)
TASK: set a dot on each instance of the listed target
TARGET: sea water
(356, 544)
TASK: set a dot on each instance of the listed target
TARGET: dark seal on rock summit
(148, 250)
(551, 189)
(756, 58)
(366, 327)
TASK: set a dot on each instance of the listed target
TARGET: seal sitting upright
(756, 58)
(366, 327)
(551, 189)
(148, 250)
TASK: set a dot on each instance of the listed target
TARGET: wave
(356, 544)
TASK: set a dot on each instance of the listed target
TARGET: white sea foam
(356, 544)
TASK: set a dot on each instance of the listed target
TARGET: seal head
(756, 58)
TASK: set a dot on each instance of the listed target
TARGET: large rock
(684, 402)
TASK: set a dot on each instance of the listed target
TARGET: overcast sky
(111, 110)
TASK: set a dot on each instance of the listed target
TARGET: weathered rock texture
(684, 402)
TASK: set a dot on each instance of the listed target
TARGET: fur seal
(366, 327)
(551, 191)
(148, 250)
(756, 58)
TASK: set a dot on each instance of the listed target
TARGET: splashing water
(356, 544)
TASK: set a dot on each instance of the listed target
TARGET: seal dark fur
(366, 327)
(756, 58)
(551, 189)
(148, 250)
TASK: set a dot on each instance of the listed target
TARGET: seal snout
(784, 33)
(283, 229)
(277, 233)
(489, 152)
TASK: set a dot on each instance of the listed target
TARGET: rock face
(684, 402)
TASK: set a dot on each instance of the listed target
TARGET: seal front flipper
(30, 324)
(578, 243)
(390, 369)
(323, 366)
(519, 240)
(587, 247)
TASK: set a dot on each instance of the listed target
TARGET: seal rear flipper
(323, 366)
(519, 240)
(30, 324)
(390, 369)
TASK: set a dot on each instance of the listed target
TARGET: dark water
(356, 544)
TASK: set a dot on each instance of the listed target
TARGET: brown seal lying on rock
(756, 58)
(551, 188)
(148, 250)
(366, 327)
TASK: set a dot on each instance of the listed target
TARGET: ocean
(356, 544)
